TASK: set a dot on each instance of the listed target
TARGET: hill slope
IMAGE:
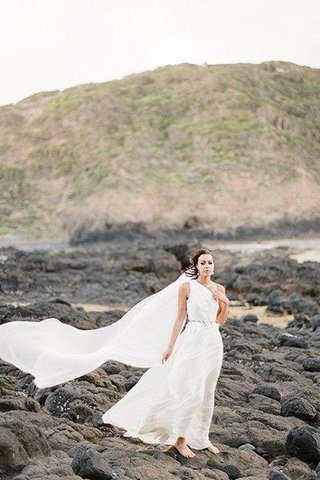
(233, 144)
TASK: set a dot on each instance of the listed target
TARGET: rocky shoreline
(266, 417)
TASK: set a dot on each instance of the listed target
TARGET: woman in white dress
(173, 403)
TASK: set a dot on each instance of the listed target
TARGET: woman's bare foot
(213, 449)
(183, 448)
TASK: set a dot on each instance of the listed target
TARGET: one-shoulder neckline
(207, 288)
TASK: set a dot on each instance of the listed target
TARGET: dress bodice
(201, 304)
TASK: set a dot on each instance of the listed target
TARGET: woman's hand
(219, 295)
(166, 355)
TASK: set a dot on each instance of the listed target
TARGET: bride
(174, 333)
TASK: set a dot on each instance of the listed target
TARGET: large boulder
(304, 443)
(298, 407)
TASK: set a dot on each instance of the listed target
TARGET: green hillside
(161, 146)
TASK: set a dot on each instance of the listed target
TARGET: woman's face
(205, 264)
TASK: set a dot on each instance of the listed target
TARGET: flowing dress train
(177, 398)
(55, 352)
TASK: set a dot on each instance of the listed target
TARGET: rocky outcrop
(267, 402)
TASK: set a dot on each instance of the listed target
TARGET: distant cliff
(230, 144)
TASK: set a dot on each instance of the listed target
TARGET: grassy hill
(232, 144)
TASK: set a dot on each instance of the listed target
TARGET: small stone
(311, 364)
(247, 446)
(250, 317)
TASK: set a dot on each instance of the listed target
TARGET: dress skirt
(176, 398)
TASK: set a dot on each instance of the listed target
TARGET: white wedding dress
(171, 399)
(177, 398)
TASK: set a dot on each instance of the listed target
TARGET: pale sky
(56, 44)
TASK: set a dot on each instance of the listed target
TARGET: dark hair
(192, 270)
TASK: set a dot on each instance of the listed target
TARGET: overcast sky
(56, 44)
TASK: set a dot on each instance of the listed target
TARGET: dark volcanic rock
(298, 469)
(250, 317)
(263, 366)
(304, 443)
(315, 320)
(297, 303)
(311, 364)
(13, 399)
(39, 311)
(275, 475)
(110, 461)
(107, 318)
(301, 321)
(232, 471)
(298, 407)
(238, 463)
(265, 404)
(20, 442)
(276, 300)
(267, 391)
(289, 340)
(91, 464)
(53, 467)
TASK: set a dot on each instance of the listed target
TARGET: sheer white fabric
(54, 352)
(177, 398)
(172, 399)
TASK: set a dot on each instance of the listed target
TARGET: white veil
(54, 352)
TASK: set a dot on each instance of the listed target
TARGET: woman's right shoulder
(185, 288)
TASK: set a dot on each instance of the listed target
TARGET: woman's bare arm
(223, 311)
(182, 311)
